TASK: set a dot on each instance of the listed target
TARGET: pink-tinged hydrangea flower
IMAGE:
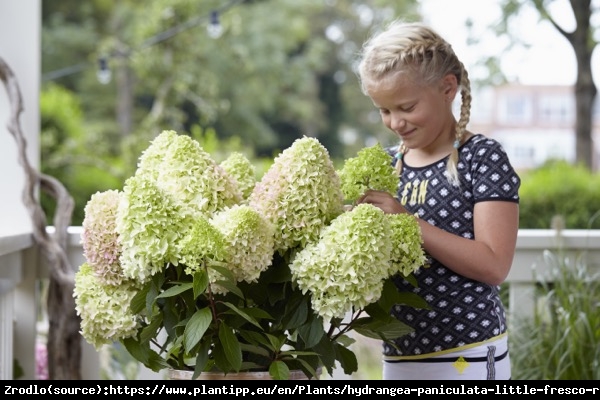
(100, 239)
(300, 193)
(239, 167)
(249, 238)
(370, 169)
(346, 268)
(104, 309)
(407, 244)
(150, 225)
(189, 174)
(41, 361)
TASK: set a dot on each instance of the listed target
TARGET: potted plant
(199, 266)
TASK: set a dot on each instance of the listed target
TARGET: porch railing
(21, 271)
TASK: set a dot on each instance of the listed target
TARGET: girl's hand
(383, 200)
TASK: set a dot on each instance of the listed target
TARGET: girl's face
(421, 115)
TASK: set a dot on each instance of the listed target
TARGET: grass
(562, 340)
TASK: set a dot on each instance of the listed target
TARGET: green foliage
(561, 341)
(229, 333)
(559, 189)
(69, 154)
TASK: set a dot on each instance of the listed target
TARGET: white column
(20, 27)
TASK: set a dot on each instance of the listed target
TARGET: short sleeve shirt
(463, 311)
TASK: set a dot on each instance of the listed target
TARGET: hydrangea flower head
(250, 241)
(300, 193)
(202, 244)
(104, 309)
(346, 268)
(370, 169)
(150, 225)
(99, 238)
(239, 167)
(189, 174)
(407, 244)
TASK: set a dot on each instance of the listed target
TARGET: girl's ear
(450, 86)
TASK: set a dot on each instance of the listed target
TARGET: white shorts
(489, 361)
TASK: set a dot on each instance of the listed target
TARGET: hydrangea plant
(195, 265)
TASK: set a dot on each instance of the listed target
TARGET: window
(557, 108)
(514, 109)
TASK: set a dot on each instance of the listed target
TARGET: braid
(399, 156)
(461, 125)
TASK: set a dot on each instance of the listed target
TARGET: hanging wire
(212, 17)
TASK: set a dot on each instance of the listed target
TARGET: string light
(214, 28)
(103, 74)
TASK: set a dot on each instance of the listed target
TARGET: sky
(550, 59)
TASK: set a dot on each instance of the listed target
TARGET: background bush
(559, 189)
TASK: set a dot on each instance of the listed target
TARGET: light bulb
(103, 74)
(214, 28)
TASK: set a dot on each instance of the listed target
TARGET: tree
(582, 40)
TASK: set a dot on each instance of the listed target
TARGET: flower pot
(179, 375)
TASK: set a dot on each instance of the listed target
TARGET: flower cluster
(198, 265)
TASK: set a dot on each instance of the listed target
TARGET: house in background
(533, 123)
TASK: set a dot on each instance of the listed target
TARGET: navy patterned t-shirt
(463, 311)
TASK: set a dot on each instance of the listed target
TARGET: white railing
(21, 269)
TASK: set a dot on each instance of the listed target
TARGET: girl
(464, 192)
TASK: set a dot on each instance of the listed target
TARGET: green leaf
(279, 370)
(231, 287)
(312, 332)
(226, 273)
(200, 283)
(250, 348)
(347, 359)
(201, 358)
(257, 338)
(231, 346)
(139, 300)
(175, 290)
(149, 332)
(393, 329)
(296, 311)
(242, 314)
(196, 327)
(144, 354)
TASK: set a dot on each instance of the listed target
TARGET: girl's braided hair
(416, 47)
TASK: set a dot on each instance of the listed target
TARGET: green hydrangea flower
(189, 174)
(239, 167)
(407, 244)
(370, 169)
(346, 268)
(150, 225)
(203, 244)
(104, 309)
(250, 241)
(300, 193)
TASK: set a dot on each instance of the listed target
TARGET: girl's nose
(398, 123)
